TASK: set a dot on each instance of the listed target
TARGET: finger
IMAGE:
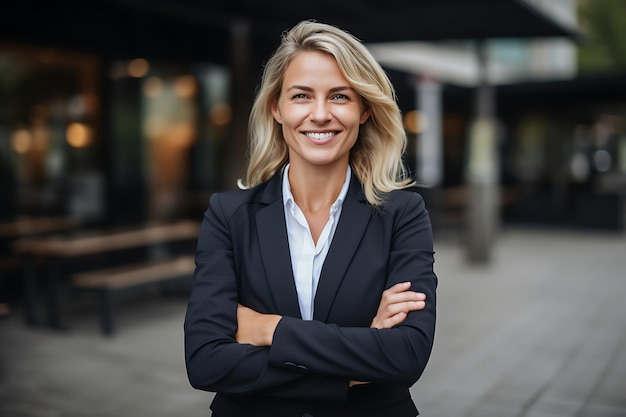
(393, 320)
(402, 287)
(417, 305)
(399, 287)
(405, 307)
(402, 297)
(397, 313)
(388, 309)
(388, 322)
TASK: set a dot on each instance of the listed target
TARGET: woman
(314, 291)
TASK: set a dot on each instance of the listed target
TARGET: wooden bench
(57, 254)
(111, 280)
(20, 228)
(36, 226)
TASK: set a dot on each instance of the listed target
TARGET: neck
(316, 189)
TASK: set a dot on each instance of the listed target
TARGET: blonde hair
(376, 158)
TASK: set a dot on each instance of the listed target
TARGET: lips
(320, 135)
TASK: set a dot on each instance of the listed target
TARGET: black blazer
(243, 256)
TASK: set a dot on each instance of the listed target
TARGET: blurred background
(119, 118)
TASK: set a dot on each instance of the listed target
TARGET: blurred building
(115, 131)
(561, 136)
(129, 139)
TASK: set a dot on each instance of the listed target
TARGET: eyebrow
(332, 90)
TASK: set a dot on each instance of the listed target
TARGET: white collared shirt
(307, 258)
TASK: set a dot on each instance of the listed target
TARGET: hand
(395, 305)
(255, 328)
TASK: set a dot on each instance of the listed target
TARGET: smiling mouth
(320, 136)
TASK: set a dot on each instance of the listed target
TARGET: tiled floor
(539, 332)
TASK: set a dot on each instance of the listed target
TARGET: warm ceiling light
(78, 135)
(138, 68)
(414, 122)
(21, 141)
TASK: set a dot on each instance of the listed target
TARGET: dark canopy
(199, 29)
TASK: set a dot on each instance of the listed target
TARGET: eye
(340, 97)
(299, 96)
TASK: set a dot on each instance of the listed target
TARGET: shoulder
(407, 211)
(399, 201)
(230, 202)
(394, 203)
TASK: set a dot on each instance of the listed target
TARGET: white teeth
(320, 136)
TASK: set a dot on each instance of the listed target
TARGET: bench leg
(52, 296)
(106, 312)
(30, 290)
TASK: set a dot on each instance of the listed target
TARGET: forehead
(313, 67)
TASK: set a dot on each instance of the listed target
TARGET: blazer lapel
(274, 246)
(355, 215)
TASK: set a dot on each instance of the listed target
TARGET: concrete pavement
(539, 332)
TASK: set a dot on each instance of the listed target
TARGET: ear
(276, 112)
(367, 112)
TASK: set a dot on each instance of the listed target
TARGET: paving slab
(538, 332)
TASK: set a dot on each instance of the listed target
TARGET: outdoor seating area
(23, 228)
(107, 282)
(56, 271)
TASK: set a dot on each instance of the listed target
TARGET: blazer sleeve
(214, 359)
(389, 356)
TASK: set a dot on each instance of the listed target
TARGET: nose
(320, 111)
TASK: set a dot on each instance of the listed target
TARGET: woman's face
(319, 111)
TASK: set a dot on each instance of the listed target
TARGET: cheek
(351, 117)
(289, 135)
(292, 116)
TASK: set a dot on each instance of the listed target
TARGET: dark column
(482, 175)
(241, 101)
